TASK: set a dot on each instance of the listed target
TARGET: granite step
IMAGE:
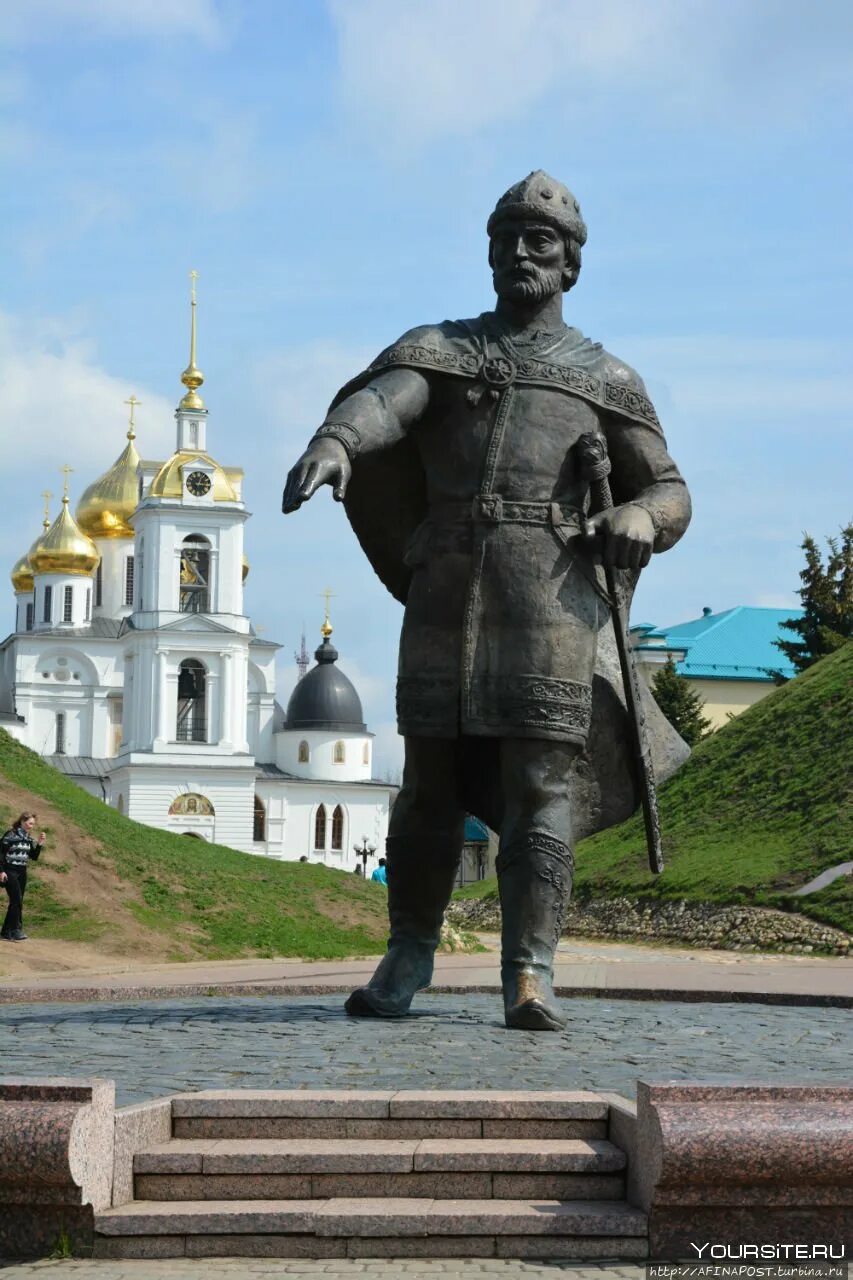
(212, 1169)
(365, 1227)
(389, 1114)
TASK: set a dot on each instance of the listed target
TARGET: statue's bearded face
(528, 262)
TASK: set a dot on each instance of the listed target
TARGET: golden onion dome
(22, 576)
(106, 506)
(169, 480)
(64, 548)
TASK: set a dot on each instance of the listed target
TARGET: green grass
(224, 903)
(760, 808)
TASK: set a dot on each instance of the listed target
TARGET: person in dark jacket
(17, 847)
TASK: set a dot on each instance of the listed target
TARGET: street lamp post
(364, 851)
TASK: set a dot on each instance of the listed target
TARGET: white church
(134, 669)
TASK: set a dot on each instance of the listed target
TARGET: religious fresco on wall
(193, 805)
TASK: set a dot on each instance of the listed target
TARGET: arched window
(320, 828)
(260, 827)
(304, 754)
(59, 745)
(338, 828)
(192, 701)
(340, 753)
(365, 753)
(195, 574)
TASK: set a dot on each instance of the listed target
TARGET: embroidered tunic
(473, 516)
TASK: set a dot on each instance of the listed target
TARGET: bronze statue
(458, 456)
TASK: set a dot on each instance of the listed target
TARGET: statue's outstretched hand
(626, 536)
(323, 462)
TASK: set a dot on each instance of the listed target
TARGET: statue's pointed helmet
(542, 198)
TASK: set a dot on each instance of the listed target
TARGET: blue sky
(329, 167)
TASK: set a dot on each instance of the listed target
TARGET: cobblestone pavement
(249, 1268)
(152, 1048)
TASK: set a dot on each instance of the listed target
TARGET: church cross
(133, 402)
(66, 472)
(328, 595)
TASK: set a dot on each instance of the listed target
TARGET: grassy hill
(135, 890)
(760, 808)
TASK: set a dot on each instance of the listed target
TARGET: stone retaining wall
(695, 924)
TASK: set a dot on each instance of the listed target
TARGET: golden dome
(107, 505)
(64, 548)
(22, 576)
(245, 568)
(192, 378)
(169, 480)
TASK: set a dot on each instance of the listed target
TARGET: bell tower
(188, 639)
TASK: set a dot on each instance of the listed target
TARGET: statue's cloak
(387, 503)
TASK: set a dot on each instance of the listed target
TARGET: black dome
(324, 698)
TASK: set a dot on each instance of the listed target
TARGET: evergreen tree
(827, 597)
(681, 705)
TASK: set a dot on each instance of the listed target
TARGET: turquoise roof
(736, 644)
(475, 831)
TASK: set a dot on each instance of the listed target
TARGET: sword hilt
(595, 468)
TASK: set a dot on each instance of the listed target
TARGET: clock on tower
(198, 483)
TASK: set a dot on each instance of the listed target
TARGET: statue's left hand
(626, 535)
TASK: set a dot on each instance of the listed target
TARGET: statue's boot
(421, 873)
(534, 881)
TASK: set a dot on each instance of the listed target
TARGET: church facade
(134, 669)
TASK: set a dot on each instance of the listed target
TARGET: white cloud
(87, 207)
(60, 405)
(447, 69)
(760, 378)
(387, 752)
(31, 21)
(234, 171)
(300, 382)
(776, 600)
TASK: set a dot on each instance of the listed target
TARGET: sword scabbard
(596, 466)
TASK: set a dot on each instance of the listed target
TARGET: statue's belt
(566, 521)
(491, 508)
(499, 372)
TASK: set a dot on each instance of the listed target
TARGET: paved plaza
(583, 966)
(156, 1047)
(369, 1269)
(159, 1040)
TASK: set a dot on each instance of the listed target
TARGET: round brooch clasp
(498, 371)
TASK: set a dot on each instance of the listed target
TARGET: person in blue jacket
(379, 874)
